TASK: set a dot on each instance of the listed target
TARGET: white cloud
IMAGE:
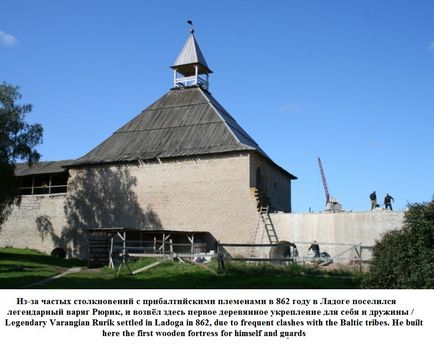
(431, 46)
(290, 107)
(7, 40)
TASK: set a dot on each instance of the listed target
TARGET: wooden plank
(247, 244)
(148, 255)
(196, 255)
(332, 244)
(147, 267)
(260, 259)
(203, 266)
(325, 263)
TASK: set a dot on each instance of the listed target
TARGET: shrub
(405, 258)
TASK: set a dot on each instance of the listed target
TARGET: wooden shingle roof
(183, 122)
(189, 56)
(42, 167)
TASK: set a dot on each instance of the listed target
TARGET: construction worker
(373, 198)
(294, 251)
(315, 248)
(388, 202)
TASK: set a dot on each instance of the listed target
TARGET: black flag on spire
(191, 23)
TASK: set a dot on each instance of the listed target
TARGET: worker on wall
(388, 202)
(315, 248)
(373, 198)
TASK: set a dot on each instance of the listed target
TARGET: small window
(26, 185)
(44, 184)
(59, 183)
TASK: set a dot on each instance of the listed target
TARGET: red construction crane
(324, 182)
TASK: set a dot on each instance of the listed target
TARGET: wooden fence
(126, 250)
(350, 253)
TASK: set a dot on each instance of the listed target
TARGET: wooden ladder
(254, 251)
(268, 224)
(265, 221)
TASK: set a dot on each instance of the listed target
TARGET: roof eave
(204, 67)
(281, 169)
(247, 149)
(42, 168)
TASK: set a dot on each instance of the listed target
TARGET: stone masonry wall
(338, 228)
(203, 195)
(37, 223)
(211, 195)
(207, 194)
(277, 185)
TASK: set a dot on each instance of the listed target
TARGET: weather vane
(191, 23)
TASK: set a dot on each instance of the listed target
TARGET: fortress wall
(339, 228)
(37, 223)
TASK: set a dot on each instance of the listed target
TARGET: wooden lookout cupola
(190, 68)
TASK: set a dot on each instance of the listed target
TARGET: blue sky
(349, 81)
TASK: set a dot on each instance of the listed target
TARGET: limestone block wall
(277, 185)
(338, 228)
(37, 223)
(211, 194)
(208, 194)
(204, 194)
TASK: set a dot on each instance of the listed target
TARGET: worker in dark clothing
(315, 248)
(220, 262)
(294, 251)
(373, 198)
(388, 202)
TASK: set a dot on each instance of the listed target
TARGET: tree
(405, 258)
(17, 142)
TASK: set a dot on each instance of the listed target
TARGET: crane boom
(324, 182)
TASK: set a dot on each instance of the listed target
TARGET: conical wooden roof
(190, 56)
(187, 121)
(183, 122)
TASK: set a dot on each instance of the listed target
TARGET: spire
(190, 64)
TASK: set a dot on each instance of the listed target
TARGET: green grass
(20, 267)
(168, 275)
